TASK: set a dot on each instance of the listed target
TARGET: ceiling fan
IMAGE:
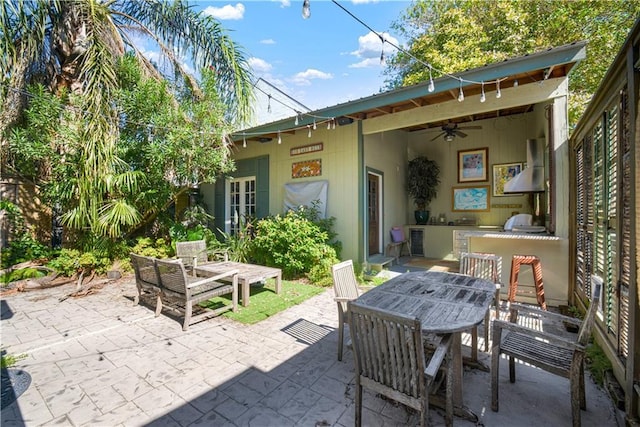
(451, 130)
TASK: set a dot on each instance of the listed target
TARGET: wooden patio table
(247, 274)
(445, 303)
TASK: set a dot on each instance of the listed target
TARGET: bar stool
(536, 268)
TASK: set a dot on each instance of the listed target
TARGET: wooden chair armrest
(215, 278)
(549, 315)
(438, 356)
(552, 338)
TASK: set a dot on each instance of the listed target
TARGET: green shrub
(320, 274)
(21, 274)
(291, 242)
(72, 261)
(157, 248)
(23, 246)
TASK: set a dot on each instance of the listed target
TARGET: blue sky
(327, 59)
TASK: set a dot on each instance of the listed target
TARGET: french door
(241, 204)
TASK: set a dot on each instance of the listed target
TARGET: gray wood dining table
(445, 303)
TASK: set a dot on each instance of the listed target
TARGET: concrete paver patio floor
(100, 361)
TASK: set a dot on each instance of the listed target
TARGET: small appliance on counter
(522, 223)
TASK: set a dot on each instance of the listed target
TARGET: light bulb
(432, 86)
(306, 9)
(328, 124)
(460, 94)
(279, 138)
(482, 96)
(309, 133)
(515, 83)
(244, 141)
(314, 124)
(498, 93)
(296, 122)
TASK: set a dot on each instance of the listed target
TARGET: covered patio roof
(524, 70)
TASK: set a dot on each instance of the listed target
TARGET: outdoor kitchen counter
(553, 253)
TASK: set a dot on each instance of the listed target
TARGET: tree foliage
(455, 35)
(86, 115)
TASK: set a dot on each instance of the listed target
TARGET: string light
(382, 60)
(329, 124)
(309, 131)
(296, 122)
(306, 9)
(515, 83)
(269, 104)
(279, 138)
(460, 93)
(244, 140)
(498, 93)
(432, 86)
(482, 96)
(314, 124)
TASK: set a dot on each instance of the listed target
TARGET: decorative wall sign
(305, 149)
(470, 199)
(501, 174)
(473, 165)
(306, 168)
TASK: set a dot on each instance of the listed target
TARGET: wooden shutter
(584, 216)
(626, 211)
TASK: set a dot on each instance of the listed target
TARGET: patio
(99, 360)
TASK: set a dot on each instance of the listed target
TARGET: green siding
(258, 167)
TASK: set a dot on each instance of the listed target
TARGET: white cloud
(268, 41)
(366, 63)
(285, 3)
(226, 12)
(370, 48)
(364, 1)
(304, 78)
(259, 65)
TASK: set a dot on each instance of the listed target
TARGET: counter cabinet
(442, 241)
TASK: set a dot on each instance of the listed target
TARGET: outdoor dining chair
(550, 349)
(345, 286)
(489, 267)
(390, 360)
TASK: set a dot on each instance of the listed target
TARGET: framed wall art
(306, 168)
(470, 199)
(473, 165)
(502, 173)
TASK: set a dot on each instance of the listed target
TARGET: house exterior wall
(386, 153)
(339, 158)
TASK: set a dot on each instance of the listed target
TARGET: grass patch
(264, 302)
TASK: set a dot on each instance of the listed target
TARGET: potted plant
(423, 178)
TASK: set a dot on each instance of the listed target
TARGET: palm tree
(73, 47)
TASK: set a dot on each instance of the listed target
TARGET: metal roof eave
(566, 54)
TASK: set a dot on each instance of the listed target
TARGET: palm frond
(181, 29)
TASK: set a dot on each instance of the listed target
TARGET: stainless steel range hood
(531, 179)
